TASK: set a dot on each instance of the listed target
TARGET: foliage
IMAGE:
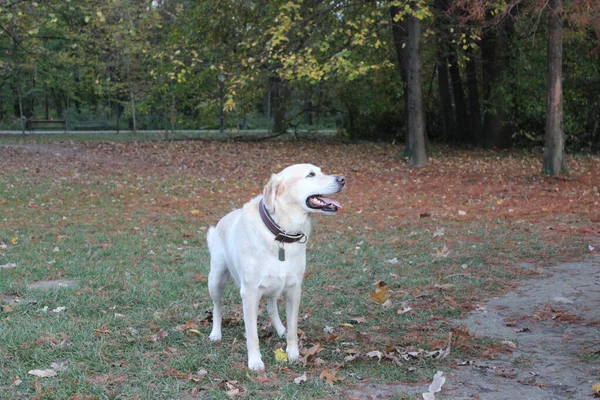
(178, 63)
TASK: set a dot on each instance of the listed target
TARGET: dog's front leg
(292, 306)
(250, 301)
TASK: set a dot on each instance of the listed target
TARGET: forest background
(480, 73)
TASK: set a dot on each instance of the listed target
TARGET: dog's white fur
(243, 248)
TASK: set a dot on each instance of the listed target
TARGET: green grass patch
(140, 269)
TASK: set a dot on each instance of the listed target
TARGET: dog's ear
(273, 189)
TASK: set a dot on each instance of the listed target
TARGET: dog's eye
(311, 175)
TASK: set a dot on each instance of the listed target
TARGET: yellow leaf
(195, 332)
(195, 212)
(13, 240)
(596, 389)
(280, 356)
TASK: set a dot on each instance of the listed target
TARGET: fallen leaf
(375, 353)
(435, 386)
(392, 261)
(6, 308)
(596, 389)
(59, 367)
(191, 325)
(353, 355)
(439, 232)
(43, 373)
(387, 303)
(379, 295)
(160, 335)
(300, 379)
(281, 356)
(312, 350)
(330, 375)
(442, 252)
(345, 325)
(328, 329)
(359, 320)
(405, 309)
(59, 309)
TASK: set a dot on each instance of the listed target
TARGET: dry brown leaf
(43, 373)
(312, 350)
(596, 389)
(330, 375)
(191, 325)
(353, 355)
(379, 295)
(375, 353)
(300, 379)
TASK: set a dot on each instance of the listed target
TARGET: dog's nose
(341, 180)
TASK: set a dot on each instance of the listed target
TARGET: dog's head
(303, 186)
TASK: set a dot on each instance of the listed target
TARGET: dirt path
(554, 323)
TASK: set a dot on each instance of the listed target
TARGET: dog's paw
(256, 365)
(292, 353)
(215, 336)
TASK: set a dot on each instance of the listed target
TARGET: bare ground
(554, 324)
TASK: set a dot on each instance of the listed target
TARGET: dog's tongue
(330, 202)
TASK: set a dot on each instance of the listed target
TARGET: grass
(134, 243)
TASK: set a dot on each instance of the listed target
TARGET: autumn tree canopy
(474, 70)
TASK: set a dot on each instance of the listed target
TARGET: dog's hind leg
(217, 280)
(274, 315)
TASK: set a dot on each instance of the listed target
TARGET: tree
(416, 121)
(554, 142)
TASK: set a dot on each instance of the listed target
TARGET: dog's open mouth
(319, 202)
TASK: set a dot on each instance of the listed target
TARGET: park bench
(97, 124)
(32, 124)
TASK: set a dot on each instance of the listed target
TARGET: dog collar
(280, 235)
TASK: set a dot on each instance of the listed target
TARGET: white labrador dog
(263, 247)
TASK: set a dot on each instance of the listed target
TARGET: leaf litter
(479, 201)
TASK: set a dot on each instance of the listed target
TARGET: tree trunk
(445, 97)
(308, 111)
(133, 116)
(20, 98)
(463, 133)
(554, 142)
(416, 121)
(399, 30)
(474, 106)
(280, 124)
